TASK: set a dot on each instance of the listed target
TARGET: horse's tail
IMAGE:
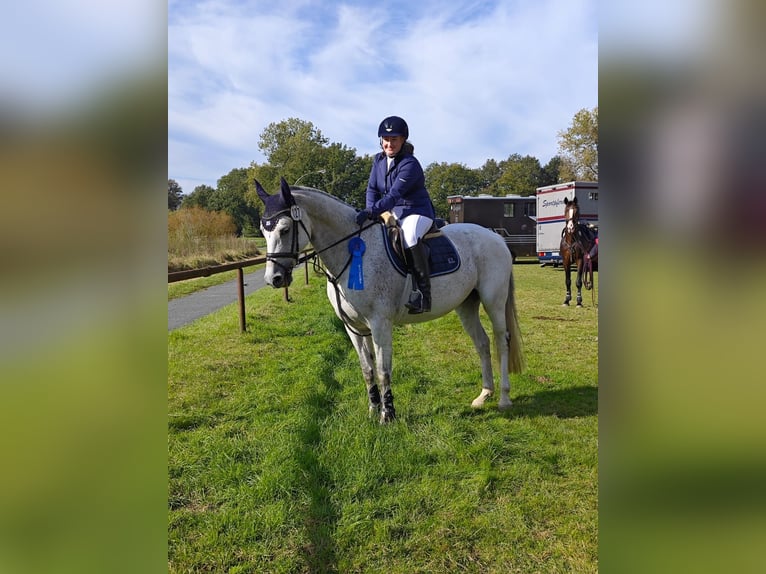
(515, 349)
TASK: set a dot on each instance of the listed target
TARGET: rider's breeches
(414, 227)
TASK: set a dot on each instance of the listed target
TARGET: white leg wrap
(479, 401)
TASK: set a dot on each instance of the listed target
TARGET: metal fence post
(241, 298)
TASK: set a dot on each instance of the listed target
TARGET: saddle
(584, 234)
(443, 257)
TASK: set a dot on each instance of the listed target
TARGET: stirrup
(416, 304)
(416, 300)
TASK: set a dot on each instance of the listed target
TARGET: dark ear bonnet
(276, 205)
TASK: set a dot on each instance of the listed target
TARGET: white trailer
(550, 215)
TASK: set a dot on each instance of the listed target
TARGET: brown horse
(579, 244)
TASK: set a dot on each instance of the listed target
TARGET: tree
(519, 176)
(578, 147)
(266, 175)
(293, 147)
(489, 173)
(296, 150)
(231, 197)
(551, 171)
(445, 179)
(200, 197)
(346, 175)
(175, 194)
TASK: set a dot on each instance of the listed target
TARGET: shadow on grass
(322, 516)
(566, 403)
(572, 402)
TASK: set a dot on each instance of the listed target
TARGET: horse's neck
(331, 221)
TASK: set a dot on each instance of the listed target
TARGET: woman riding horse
(298, 216)
(397, 184)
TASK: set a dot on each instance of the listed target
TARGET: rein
(588, 273)
(295, 214)
(294, 253)
(334, 280)
(341, 240)
(587, 262)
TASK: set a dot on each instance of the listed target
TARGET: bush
(198, 238)
(189, 226)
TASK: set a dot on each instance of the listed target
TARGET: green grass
(275, 467)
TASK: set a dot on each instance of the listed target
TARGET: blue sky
(474, 80)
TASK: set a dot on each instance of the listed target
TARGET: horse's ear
(261, 192)
(566, 201)
(287, 195)
(574, 200)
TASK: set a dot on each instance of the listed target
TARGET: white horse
(298, 216)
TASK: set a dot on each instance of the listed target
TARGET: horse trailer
(550, 215)
(513, 217)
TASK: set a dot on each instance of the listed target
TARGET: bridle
(269, 224)
(570, 229)
(294, 211)
(576, 241)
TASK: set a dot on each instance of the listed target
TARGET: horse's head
(286, 234)
(571, 214)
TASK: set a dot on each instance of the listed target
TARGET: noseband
(270, 224)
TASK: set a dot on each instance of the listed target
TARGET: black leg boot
(420, 299)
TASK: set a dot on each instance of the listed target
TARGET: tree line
(296, 150)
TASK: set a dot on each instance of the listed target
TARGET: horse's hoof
(565, 304)
(504, 405)
(579, 305)
(373, 411)
(479, 401)
(387, 417)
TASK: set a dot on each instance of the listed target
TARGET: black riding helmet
(393, 126)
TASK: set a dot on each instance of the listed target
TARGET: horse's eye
(283, 231)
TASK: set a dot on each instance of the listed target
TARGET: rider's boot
(420, 298)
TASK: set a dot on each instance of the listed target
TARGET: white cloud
(474, 81)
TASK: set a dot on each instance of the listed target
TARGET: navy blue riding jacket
(401, 190)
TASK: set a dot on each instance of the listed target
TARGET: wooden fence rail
(212, 270)
(239, 266)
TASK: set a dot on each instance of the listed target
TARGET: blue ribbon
(357, 248)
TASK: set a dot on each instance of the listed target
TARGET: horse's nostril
(276, 281)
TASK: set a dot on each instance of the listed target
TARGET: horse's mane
(313, 190)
